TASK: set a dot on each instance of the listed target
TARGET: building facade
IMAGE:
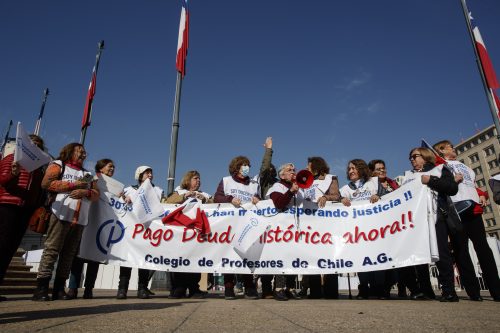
(480, 153)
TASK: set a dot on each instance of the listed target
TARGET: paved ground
(106, 314)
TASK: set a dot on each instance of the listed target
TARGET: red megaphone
(304, 178)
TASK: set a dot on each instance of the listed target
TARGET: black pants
(126, 272)
(13, 223)
(474, 229)
(186, 281)
(330, 286)
(75, 276)
(417, 279)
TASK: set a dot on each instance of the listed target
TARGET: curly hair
(361, 167)
(101, 164)
(66, 152)
(236, 163)
(318, 165)
(186, 180)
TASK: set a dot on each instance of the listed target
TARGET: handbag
(39, 220)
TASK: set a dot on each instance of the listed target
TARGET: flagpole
(489, 95)
(174, 135)
(100, 47)
(39, 120)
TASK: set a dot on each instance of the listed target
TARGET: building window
(478, 170)
(462, 161)
(490, 223)
(474, 158)
(493, 164)
(490, 150)
(488, 209)
(480, 183)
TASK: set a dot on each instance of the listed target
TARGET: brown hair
(441, 145)
(66, 152)
(101, 164)
(35, 137)
(372, 163)
(236, 163)
(319, 165)
(186, 180)
(426, 153)
(363, 170)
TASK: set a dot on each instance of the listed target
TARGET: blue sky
(338, 79)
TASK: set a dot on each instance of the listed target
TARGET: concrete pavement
(159, 314)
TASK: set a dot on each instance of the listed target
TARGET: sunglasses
(414, 156)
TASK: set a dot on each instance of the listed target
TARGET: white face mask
(245, 170)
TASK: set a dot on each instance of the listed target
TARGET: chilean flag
(189, 215)
(489, 72)
(88, 102)
(182, 41)
(439, 159)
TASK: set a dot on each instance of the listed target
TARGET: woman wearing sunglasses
(441, 181)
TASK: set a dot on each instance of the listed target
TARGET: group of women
(71, 191)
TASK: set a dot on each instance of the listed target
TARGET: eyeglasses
(414, 156)
(380, 169)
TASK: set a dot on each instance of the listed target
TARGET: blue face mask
(245, 170)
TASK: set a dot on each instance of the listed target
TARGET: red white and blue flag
(183, 39)
(88, 103)
(439, 159)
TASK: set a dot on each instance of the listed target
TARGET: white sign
(26, 153)
(393, 232)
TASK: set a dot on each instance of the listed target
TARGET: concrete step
(19, 281)
(17, 267)
(16, 290)
(20, 274)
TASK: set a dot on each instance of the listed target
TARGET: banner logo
(116, 231)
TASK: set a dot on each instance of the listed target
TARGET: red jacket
(478, 210)
(22, 190)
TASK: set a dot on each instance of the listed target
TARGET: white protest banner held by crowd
(393, 232)
(26, 153)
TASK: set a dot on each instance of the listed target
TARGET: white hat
(140, 170)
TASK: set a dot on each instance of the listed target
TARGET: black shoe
(72, 293)
(229, 294)
(149, 292)
(292, 294)
(198, 295)
(41, 296)
(362, 296)
(419, 297)
(251, 293)
(61, 295)
(267, 295)
(476, 298)
(122, 294)
(449, 298)
(3, 298)
(177, 293)
(87, 293)
(280, 295)
(143, 294)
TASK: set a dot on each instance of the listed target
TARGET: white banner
(393, 232)
(26, 153)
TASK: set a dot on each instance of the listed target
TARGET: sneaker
(198, 295)
(251, 293)
(229, 294)
(280, 295)
(292, 294)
